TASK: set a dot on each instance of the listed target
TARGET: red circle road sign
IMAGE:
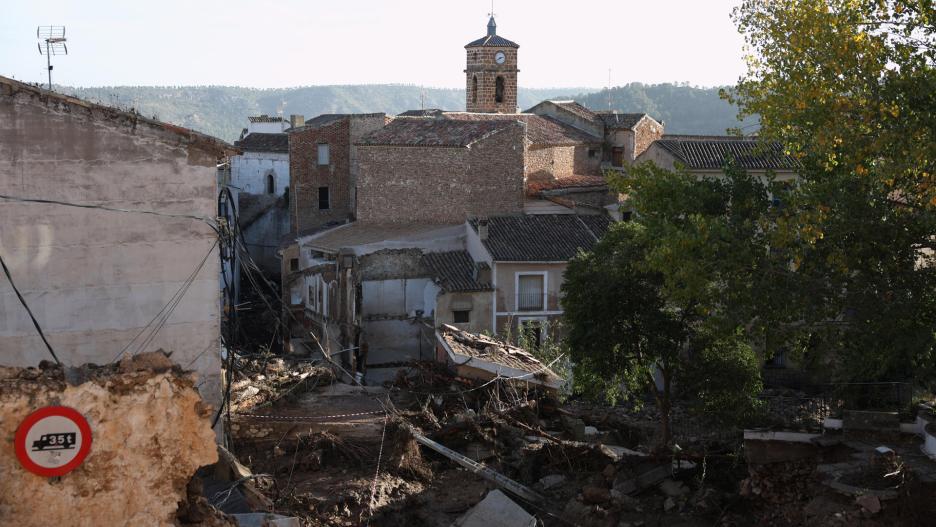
(53, 441)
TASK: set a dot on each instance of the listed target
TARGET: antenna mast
(609, 89)
(54, 39)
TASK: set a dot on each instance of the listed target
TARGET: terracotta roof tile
(489, 349)
(454, 271)
(261, 142)
(542, 237)
(713, 152)
(427, 131)
(541, 130)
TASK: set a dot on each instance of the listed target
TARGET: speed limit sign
(53, 441)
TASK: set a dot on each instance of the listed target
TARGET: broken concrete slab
(496, 510)
(550, 481)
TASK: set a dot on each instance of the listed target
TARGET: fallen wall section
(151, 431)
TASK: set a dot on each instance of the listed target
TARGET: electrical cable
(208, 221)
(22, 300)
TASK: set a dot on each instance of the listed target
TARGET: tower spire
(492, 25)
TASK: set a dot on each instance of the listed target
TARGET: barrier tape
(306, 417)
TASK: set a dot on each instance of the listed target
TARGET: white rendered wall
(95, 278)
(249, 171)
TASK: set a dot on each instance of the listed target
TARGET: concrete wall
(478, 302)
(404, 184)
(95, 278)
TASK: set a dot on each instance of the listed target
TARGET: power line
(22, 300)
(208, 221)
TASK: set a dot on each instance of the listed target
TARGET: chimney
(483, 273)
(483, 229)
(296, 120)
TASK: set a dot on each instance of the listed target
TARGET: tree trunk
(664, 406)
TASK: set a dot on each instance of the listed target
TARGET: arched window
(474, 90)
(270, 184)
(499, 90)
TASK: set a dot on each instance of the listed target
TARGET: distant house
(528, 256)
(100, 282)
(624, 136)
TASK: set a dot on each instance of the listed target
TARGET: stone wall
(408, 184)
(150, 429)
(481, 66)
(645, 133)
(546, 164)
(96, 278)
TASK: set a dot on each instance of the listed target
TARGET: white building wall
(249, 171)
(94, 278)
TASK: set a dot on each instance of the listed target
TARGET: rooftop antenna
(422, 99)
(54, 39)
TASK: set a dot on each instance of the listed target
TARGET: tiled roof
(423, 131)
(618, 121)
(428, 112)
(325, 118)
(575, 181)
(579, 110)
(541, 131)
(264, 119)
(358, 233)
(260, 142)
(454, 271)
(542, 238)
(487, 349)
(492, 41)
(712, 152)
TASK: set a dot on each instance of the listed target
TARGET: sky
(286, 43)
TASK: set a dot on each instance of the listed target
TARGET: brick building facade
(441, 171)
(323, 168)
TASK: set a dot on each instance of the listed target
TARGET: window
(617, 157)
(592, 153)
(499, 90)
(294, 264)
(531, 292)
(270, 184)
(324, 201)
(474, 89)
(462, 316)
(323, 154)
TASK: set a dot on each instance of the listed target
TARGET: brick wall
(546, 164)
(306, 175)
(481, 65)
(403, 184)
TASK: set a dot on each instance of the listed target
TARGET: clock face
(499, 57)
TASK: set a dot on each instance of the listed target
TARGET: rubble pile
(263, 382)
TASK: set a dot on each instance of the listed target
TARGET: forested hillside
(222, 110)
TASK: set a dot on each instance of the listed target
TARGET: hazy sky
(281, 43)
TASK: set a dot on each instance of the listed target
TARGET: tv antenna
(609, 89)
(51, 42)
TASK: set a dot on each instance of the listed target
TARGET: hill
(222, 110)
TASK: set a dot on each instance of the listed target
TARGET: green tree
(849, 88)
(672, 290)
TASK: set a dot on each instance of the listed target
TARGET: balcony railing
(530, 302)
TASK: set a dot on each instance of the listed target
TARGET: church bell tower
(491, 73)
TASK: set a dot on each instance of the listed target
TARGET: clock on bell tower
(491, 73)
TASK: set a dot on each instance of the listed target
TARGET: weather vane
(491, 14)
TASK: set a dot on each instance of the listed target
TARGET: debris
(617, 453)
(595, 495)
(575, 427)
(669, 504)
(478, 468)
(673, 489)
(265, 519)
(550, 481)
(868, 503)
(496, 510)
